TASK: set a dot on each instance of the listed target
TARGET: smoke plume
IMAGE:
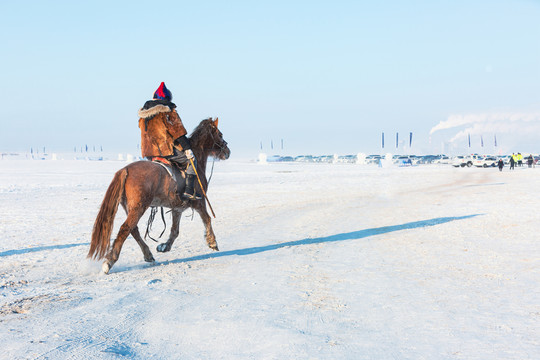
(497, 123)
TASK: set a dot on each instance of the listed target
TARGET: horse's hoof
(214, 247)
(105, 267)
(163, 247)
(150, 260)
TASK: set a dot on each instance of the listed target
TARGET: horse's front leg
(208, 231)
(175, 230)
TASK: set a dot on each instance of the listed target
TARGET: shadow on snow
(39, 248)
(355, 235)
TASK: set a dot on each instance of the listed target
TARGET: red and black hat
(162, 93)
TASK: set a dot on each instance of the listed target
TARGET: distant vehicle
(347, 159)
(373, 159)
(459, 161)
(486, 162)
(415, 159)
(478, 161)
(304, 158)
(467, 161)
(404, 160)
(471, 159)
(442, 159)
(273, 158)
(426, 159)
(325, 159)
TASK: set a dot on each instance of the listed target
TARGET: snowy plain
(317, 261)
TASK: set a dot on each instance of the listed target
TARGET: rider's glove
(189, 154)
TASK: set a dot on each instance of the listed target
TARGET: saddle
(177, 172)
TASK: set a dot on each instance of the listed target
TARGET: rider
(164, 135)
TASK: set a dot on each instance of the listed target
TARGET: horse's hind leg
(175, 230)
(127, 227)
(208, 231)
(148, 257)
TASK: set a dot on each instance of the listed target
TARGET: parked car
(324, 159)
(273, 158)
(442, 159)
(415, 159)
(373, 159)
(347, 159)
(459, 161)
(404, 160)
(304, 158)
(472, 159)
(488, 161)
(427, 159)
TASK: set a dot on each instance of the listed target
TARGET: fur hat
(162, 93)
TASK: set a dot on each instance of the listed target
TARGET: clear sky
(325, 76)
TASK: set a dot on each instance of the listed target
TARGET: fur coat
(160, 126)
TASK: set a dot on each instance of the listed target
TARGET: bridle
(222, 145)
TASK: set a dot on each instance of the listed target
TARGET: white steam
(495, 123)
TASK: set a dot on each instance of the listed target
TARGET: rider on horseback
(164, 135)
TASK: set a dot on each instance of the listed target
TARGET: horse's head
(209, 139)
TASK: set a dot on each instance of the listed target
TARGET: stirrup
(193, 196)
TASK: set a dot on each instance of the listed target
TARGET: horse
(144, 184)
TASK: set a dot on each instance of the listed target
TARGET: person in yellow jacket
(519, 159)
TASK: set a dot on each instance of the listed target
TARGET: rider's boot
(190, 192)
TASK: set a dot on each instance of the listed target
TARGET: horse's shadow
(39, 248)
(355, 235)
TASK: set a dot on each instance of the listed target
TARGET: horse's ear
(216, 122)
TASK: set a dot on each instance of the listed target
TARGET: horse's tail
(103, 226)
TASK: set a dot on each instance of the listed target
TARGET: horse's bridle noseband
(222, 145)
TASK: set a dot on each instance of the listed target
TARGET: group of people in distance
(516, 159)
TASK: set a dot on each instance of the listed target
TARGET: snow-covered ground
(316, 262)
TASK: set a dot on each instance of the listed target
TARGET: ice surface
(317, 261)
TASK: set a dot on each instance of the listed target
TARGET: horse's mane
(201, 133)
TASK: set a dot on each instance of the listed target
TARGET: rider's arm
(183, 141)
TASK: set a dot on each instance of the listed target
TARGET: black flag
(397, 140)
(410, 139)
(383, 140)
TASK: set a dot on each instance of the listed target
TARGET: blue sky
(326, 77)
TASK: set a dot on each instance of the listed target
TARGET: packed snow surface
(317, 261)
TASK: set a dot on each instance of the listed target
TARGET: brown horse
(143, 184)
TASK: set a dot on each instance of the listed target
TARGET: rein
(222, 146)
(153, 212)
